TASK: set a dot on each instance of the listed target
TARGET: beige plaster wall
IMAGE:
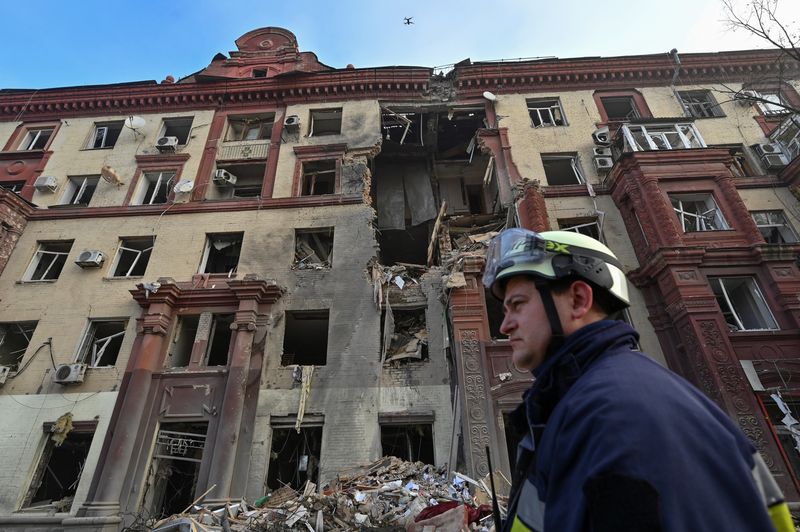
(72, 158)
(22, 439)
(361, 128)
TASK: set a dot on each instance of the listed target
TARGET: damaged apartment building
(269, 271)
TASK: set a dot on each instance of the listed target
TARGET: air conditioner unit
(603, 164)
(292, 122)
(167, 144)
(602, 136)
(69, 373)
(90, 259)
(602, 152)
(224, 178)
(4, 371)
(774, 161)
(745, 97)
(46, 183)
(766, 149)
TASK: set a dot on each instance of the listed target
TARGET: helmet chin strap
(557, 331)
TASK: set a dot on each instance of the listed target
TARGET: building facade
(269, 271)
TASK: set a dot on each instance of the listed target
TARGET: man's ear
(581, 298)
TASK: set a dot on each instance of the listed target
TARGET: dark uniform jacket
(623, 444)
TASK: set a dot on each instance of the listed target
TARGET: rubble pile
(389, 494)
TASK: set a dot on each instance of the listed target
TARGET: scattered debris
(390, 494)
(61, 429)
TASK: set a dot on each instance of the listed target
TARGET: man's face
(525, 323)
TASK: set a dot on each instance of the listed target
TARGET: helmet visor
(511, 247)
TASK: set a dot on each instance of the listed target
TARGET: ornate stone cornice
(615, 72)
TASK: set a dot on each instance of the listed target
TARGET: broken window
(700, 104)
(253, 127)
(772, 102)
(788, 136)
(180, 350)
(740, 163)
(12, 186)
(325, 122)
(174, 469)
(774, 227)
(639, 137)
(154, 188)
(783, 416)
(405, 334)
(457, 129)
(295, 455)
(79, 190)
(177, 127)
(132, 256)
(742, 304)
(585, 226)
(319, 178)
(48, 261)
(562, 170)
(102, 342)
(305, 339)
(221, 253)
(546, 112)
(698, 212)
(313, 248)
(14, 339)
(412, 442)
(36, 139)
(220, 344)
(620, 108)
(243, 181)
(105, 135)
(402, 127)
(59, 470)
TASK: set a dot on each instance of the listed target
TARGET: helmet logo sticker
(557, 247)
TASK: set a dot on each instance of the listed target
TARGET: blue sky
(56, 43)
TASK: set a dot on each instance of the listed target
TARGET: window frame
(574, 163)
(786, 226)
(108, 127)
(29, 140)
(27, 328)
(144, 182)
(314, 116)
(701, 219)
(640, 104)
(37, 257)
(88, 339)
(167, 123)
(207, 251)
(264, 132)
(753, 288)
(121, 248)
(573, 224)
(532, 107)
(700, 109)
(74, 192)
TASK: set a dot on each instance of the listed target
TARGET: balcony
(657, 135)
(787, 135)
(243, 150)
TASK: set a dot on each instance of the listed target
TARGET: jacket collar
(561, 369)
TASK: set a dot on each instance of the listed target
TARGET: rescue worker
(612, 440)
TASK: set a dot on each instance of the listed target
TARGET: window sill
(549, 127)
(69, 206)
(97, 149)
(132, 277)
(42, 281)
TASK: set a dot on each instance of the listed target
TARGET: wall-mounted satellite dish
(184, 186)
(134, 122)
(489, 96)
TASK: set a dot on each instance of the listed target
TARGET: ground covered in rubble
(389, 494)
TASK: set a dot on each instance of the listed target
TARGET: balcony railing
(243, 149)
(658, 136)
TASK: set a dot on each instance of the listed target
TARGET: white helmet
(554, 255)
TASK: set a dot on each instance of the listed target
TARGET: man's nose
(507, 324)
